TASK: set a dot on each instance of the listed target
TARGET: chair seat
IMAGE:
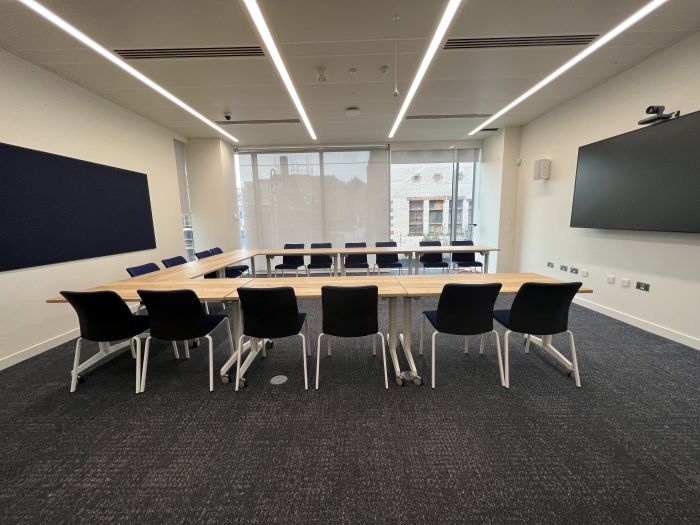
(238, 267)
(212, 321)
(441, 264)
(390, 265)
(431, 315)
(468, 264)
(288, 266)
(319, 266)
(357, 265)
(230, 273)
(300, 323)
(502, 316)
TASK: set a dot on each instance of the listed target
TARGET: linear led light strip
(442, 27)
(264, 32)
(590, 49)
(82, 37)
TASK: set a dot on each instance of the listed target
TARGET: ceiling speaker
(541, 169)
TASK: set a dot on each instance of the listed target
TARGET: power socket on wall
(550, 265)
(643, 286)
(564, 268)
(573, 270)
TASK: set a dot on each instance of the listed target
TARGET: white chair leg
(386, 377)
(187, 349)
(303, 356)
(206, 307)
(481, 345)
(308, 339)
(500, 359)
(144, 367)
(432, 371)
(574, 361)
(133, 349)
(238, 361)
(422, 329)
(175, 350)
(466, 344)
(506, 367)
(318, 359)
(76, 364)
(211, 363)
(374, 345)
(137, 343)
(527, 344)
(264, 349)
(328, 347)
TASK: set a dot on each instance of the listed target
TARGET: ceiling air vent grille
(458, 115)
(519, 41)
(259, 121)
(190, 52)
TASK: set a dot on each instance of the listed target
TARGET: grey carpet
(623, 449)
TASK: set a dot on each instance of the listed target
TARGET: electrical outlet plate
(564, 268)
(584, 272)
(550, 265)
(573, 270)
(625, 282)
(643, 286)
(611, 279)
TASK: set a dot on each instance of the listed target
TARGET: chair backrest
(321, 259)
(216, 250)
(357, 258)
(467, 309)
(542, 308)
(103, 315)
(430, 257)
(269, 313)
(463, 257)
(203, 254)
(350, 311)
(297, 260)
(143, 269)
(386, 258)
(175, 314)
(174, 261)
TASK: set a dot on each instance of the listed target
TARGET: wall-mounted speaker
(541, 169)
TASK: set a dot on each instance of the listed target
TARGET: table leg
(393, 339)
(410, 263)
(336, 268)
(406, 339)
(269, 266)
(486, 262)
(416, 260)
(234, 319)
(252, 265)
(342, 265)
(106, 353)
(545, 343)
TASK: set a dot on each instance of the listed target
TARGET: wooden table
(388, 288)
(193, 269)
(431, 286)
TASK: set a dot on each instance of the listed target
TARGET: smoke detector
(384, 70)
(321, 75)
(352, 71)
(352, 111)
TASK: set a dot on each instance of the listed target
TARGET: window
(437, 177)
(415, 217)
(416, 177)
(186, 214)
(435, 218)
(459, 219)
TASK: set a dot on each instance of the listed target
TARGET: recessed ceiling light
(588, 50)
(269, 42)
(82, 37)
(447, 16)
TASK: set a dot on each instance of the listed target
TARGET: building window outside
(435, 218)
(415, 217)
(188, 235)
(459, 222)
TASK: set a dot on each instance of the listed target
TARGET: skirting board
(654, 328)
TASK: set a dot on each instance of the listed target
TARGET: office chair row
(272, 313)
(385, 261)
(230, 272)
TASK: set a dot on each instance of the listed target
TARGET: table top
(197, 268)
(310, 287)
(431, 285)
(206, 289)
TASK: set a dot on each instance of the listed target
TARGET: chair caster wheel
(242, 383)
(417, 380)
(400, 381)
(268, 344)
(194, 344)
(225, 379)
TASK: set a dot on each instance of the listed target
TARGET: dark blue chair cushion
(503, 317)
(318, 266)
(389, 265)
(288, 266)
(467, 264)
(174, 261)
(212, 321)
(143, 269)
(435, 264)
(357, 265)
(431, 315)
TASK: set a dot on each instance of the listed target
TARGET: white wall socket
(624, 282)
(584, 272)
(611, 279)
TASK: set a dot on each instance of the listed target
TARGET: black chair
(350, 312)
(356, 260)
(432, 260)
(465, 260)
(464, 309)
(177, 315)
(388, 261)
(234, 270)
(320, 262)
(228, 273)
(541, 309)
(270, 313)
(291, 262)
(143, 269)
(174, 261)
(105, 317)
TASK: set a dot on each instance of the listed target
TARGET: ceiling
(339, 35)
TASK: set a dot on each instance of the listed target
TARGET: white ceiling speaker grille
(191, 52)
(260, 121)
(520, 41)
(457, 115)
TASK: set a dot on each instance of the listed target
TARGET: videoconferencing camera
(659, 115)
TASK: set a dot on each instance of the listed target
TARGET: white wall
(496, 197)
(45, 112)
(211, 178)
(670, 262)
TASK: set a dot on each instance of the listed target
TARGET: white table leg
(336, 267)
(106, 353)
(410, 263)
(486, 262)
(406, 338)
(342, 265)
(252, 265)
(393, 337)
(269, 266)
(545, 343)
